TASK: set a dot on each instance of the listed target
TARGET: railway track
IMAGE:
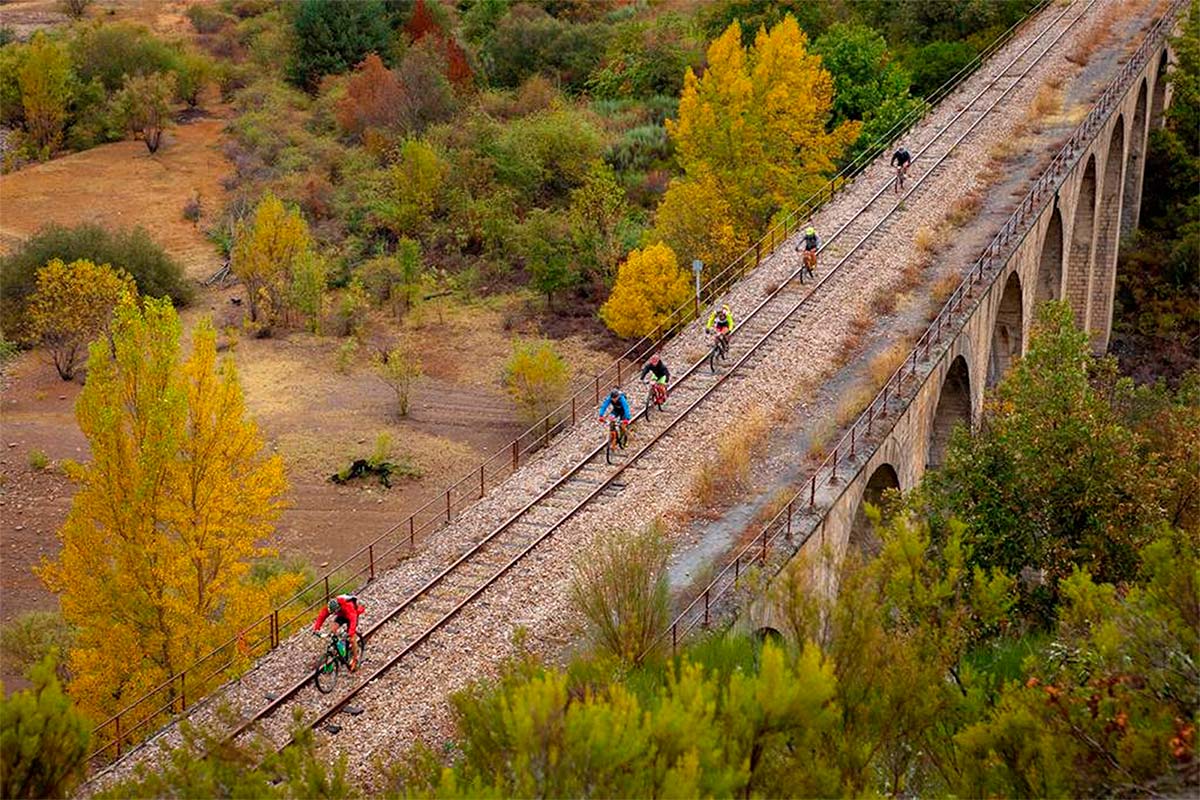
(395, 638)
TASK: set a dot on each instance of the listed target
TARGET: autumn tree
(43, 739)
(373, 98)
(597, 211)
(309, 280)
(756, 124)
(144, 104)
(265, 253)
(400, 369)
(537, 377)
(71, 306)
(695, 219)
(44, 80)
(156, 549)
(650, 287)
(411, 189)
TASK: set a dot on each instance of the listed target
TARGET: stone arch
(1050, 266)
(1159, 101)
(768, 634)
(1104, 269)
(862, 533)
(953, 408)
(1079, 256)
(1131, 200)
(1007, 330)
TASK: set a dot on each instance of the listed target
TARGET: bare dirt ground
(162, 16)
(318, 418)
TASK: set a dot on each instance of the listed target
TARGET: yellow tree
(71, 305)
(45, 83)
(650, 285)
(755, 123)
(156, 549)
(695, 218)
(264, 256)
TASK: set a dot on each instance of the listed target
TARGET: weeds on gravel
(884, 302)
(38, 460)
(926, 241)
(822, 437)
(883, 364)
(1096, 35)
(964, 209)
(944, 287)
(728, 472)
(860, 327)
(620, 588)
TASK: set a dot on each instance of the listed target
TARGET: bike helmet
(615, 394)
(654, 359)
(810, 231)
(333, 605)
(725, 307)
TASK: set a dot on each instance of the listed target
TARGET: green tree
(596, 214)
(43, 739)
(144, 103)
(332, 37)
(1053, 480)
(548, 254)
(309, 281)
(45, 83)
(400, 369)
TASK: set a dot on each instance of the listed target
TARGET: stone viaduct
(1061, 243)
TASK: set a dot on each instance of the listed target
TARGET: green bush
(43, 739)
(207, 19)
(29, 638)
(331, 38)
(156, 274)
(110, 52)
(936, 63)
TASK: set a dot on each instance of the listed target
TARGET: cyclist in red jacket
(346, 609)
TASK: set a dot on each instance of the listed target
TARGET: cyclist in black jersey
(900, 160)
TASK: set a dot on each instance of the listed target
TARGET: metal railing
(854, 449)
(260, 637)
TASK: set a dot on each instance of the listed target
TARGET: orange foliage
(374, 98)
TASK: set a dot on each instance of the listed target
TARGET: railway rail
(403, 629)
(590, 482)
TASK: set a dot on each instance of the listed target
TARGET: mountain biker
(721, 320)
(809, 243)
(346, 609)
(901, 158)
(661, 374)
(620, 406)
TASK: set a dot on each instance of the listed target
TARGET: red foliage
(421, 23)
(374, 98)
(458, 69)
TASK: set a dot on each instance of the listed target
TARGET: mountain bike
(810, 265)
(337, 656)
(901, 171)
(720, 349)
(656, 395)
(618, 436)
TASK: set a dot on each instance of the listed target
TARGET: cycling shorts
(721, 328)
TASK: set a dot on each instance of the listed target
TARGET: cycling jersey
(348, 610)
(720, 320)
(811, 242)
(620, 407)
(901, 158)
(660, 371)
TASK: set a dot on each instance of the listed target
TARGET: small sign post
(697, 267)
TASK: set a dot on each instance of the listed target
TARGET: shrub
(936, 63)
(144, 104)
(113, 51)
(373, 98)
(75, 9)
(620, 587)
(194, 71)
(72, 305)
(347, 353)
(206, 18)
(308, 288)
(38, 460)
(547, 252)
(43, 739)
(352, 309)
(133, 251)
(400, 369)
(44, 82)
(650, 286)
(29, 638)
(537, 377)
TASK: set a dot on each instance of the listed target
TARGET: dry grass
(945, 287)
(910, 278)
(926, 240)
(822, 439)
(727, 473)
(852, 404)
(883, 364)
(884, 302)
(860, 327)
(1097, 34)
(1047, 103)
(964, 209)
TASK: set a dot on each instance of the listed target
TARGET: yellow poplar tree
(45, 83)
(265, 253)
(650, 285)
(755, 124)
(71, 305)
(156, 549)
(695, 218)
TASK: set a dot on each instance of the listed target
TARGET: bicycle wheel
(608, 447)
(325, 676)
(649, 401)
(712, 357)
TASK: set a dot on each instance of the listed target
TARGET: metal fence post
(371, 558)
